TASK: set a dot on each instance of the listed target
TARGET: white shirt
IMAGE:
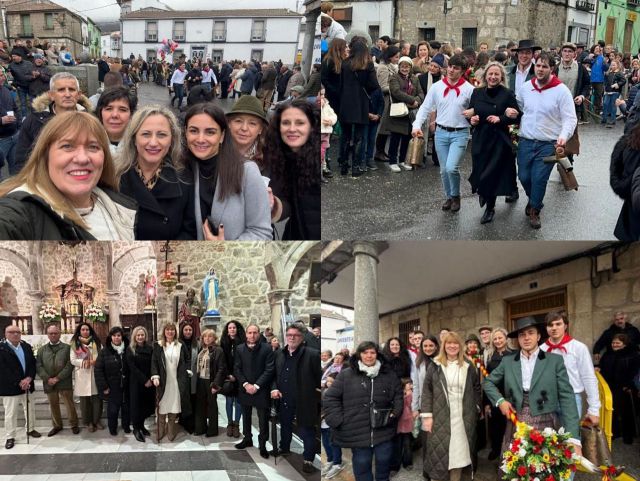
(521, 76)
(209, 77)
(527, 364)
(546, 115)
(582, 376)
(449, 109)
(178, 76)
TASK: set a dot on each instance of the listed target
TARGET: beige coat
(85, 381)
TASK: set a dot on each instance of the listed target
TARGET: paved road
(385, 205)
(150, 93)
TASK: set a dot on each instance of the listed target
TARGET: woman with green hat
(247, 125)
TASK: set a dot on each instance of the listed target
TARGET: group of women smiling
(136, 173)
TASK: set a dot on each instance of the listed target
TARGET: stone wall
(496, 20)
(590, 309)
(69, 34)
(132, 295)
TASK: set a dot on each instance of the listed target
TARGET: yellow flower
(546, 458)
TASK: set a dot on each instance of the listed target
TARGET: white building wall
(231, 51)
(283, 29)
(105, 44)
(239, 29)
(199, 30)
(373, 13)
(580, 19)
(133, 30)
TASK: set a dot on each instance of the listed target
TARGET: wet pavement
(150, 93)
(383, 205)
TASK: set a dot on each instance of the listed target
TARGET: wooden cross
(180, 273)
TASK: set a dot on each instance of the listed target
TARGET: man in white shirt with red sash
(548, 118)
(448, 97)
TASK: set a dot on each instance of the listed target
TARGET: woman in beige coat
(85, 346)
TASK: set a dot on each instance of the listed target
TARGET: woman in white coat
(85, 346)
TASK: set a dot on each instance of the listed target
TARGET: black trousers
(118, 404)
(205, 410)
(263, 424)
(497, 425)
(224, 87)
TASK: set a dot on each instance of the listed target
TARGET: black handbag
(380, 417)
(228, 388)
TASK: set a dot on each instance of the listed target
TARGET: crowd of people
(108, 168)
(524, 101)
(386, 403)
(178, 378)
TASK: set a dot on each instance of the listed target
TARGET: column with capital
(365, 295)
(37, 298)
(114, 308)
(309, 39)
(276, 297)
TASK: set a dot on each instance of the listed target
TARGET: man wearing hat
(536, 386)
(41, 76)
(574, 76)
(21, 70)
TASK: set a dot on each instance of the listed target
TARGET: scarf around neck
(119, 349)
(553, 82)
(560, 346)
(455, 87)
(370, 371)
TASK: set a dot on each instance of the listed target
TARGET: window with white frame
(219, 30)
(151, 32)
(258, 31)
(178, 31)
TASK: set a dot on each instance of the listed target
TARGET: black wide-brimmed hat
(527, 45)
(523, 323)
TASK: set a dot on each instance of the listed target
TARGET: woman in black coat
(357, 82)
(152, 174)
(141, 390)
(232, 336)
(347, 406)
(618, 367)
(625, 161)
(112, 379)
(494, 169)
(332, 70)
(211, 370)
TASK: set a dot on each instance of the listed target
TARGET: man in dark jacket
(63, 97)
(253, 369)
(367, 383)
(9, 126)
(312, 86)
(283, 80)
(619, 326)
(103, 69)
(21, 70)
(267, 86)
(573, 75)
(296, 384)
(225, 79)
(17, 372)
(41, 76)
(248, 79)
(56, 371)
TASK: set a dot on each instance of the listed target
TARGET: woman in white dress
(85, 346)
(170, 376)
(450, 411)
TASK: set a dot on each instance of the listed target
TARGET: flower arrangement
(94, 313)
(535, 455)
(514, 135)
(49, 313)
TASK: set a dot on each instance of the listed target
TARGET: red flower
(537, 449)
(612, 470)
(532, 469)
(572, 467)
(567, 453)
(550, 478)
(522, 471)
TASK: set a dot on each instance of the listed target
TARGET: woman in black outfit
(493, 170)
(497, 422)
(232, 336)
(618, 367)
(112, 379)
(190, 346)
(211, 370)
(141, 390)
(625, 162)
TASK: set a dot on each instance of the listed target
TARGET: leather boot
(455, 203)
(230, 429)
(172, 429)
(162, 426)
(236, 430)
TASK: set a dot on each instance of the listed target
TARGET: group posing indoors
(178, 379)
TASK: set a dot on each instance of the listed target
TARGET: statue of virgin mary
(210, 291)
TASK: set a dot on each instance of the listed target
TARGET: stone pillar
(365, 295)
(36, 298)
(309, 39)
(114, 308)
(275, 297)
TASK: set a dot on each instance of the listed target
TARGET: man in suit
(17, 372)
(254, 370)
(536, 384)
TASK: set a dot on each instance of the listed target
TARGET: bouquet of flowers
(49, 313)
(535, 455)
(514, 135)
(94, 313)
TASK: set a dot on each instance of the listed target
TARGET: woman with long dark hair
(85, 347)
(141, 392)
(332, 69)
(112, 379)
(190, 345)
(211, 369)
(232, 336)
(625, 162)
(228, 189)
(291, 154)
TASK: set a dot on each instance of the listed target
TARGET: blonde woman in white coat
(85, 346)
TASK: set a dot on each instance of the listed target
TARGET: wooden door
(628, 32)
(611, 27)
(536, 306)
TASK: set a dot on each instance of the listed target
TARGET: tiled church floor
(101, 457)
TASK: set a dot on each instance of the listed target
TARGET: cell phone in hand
(212, 225)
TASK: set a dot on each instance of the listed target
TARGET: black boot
(138, 435)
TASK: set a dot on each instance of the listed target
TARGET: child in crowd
(405, 427)
(334, 453)
(329, 119)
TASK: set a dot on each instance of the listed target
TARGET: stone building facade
(590, 302)
(468, 23)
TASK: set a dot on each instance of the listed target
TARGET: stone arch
(282, 260)
(127, 260)
(21, 263)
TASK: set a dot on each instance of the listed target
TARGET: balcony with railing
(633, 3)
(219, 32)
(585, 6)
(150, 35)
